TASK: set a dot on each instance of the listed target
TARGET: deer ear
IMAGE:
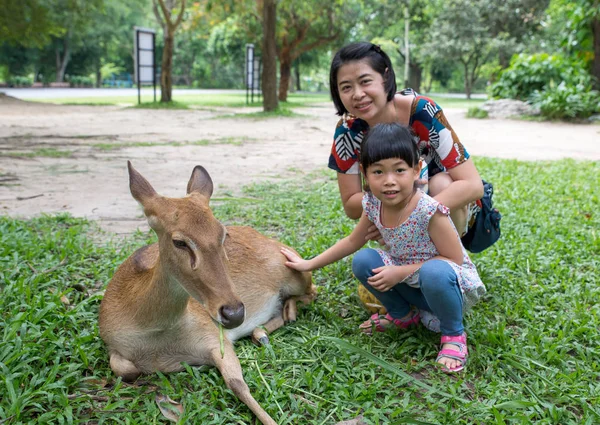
(140, 189)
(200, 182)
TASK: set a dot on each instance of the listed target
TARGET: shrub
(530, 73)
(81, 81)
(477, 113)
(567, 102)
(20, 81)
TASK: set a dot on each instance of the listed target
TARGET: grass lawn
(189, 100)
(534, 340)
(184, 101)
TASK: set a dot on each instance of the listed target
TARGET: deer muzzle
(232, 316)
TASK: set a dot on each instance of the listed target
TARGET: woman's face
(362, 91)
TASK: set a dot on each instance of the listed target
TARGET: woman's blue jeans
(438, 293)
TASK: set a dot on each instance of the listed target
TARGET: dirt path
(88, 176)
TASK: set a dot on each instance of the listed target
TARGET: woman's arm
(444, 237)
(351, 194)
(341, 249)
(466, 186)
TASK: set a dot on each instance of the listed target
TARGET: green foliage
(476, 112)
(20, 81)
(533, 341)
(567, 102)
(528, 73)
(28, 23)
(560, 87)
(80, 81)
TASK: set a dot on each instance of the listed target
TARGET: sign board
(252, 73)
(144, 58)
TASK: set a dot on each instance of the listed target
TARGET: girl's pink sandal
(461, 355)
(392, 323)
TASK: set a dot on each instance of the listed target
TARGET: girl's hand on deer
(374, 235)
(385, 278)
(295, 261)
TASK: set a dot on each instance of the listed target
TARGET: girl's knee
(437, 275)
(364, 262)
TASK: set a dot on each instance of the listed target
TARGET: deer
(188, 297)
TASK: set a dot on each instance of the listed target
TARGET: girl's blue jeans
(438, 293)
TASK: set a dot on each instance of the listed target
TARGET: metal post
(137, 64)
(154, 64)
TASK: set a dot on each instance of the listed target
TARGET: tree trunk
(467, 81)
(596, 60)
(269, 74)
(166, 70)
(415, 77)
(297, 73)
(62, 61)
(406, 47)
(284, 78)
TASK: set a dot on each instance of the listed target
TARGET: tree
(28, 23)
(386, 22)
(573, 29)
(269, 58)
(511, 23)
(163, 10)
(460, 33)
(304, 26)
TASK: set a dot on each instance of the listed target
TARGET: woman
(363, 89)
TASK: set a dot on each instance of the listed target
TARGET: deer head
(190, 239)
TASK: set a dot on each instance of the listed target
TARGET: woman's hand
(386, 277)
(295, 261)
(374, 235)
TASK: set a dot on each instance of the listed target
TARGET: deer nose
(232, 316)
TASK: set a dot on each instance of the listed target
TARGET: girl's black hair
(376, 57)
(389, 140)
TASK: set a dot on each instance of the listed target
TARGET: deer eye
(178, 243)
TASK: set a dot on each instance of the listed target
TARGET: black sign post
(144, 56)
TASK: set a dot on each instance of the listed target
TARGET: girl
(363, 89)
(426, 265)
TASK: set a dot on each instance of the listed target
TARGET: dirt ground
(89, 178)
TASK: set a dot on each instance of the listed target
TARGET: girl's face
(392, 181)
(362, 91)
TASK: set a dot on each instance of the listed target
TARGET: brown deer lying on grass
(165, 303)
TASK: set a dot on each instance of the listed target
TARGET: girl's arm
(341, 249)
(444, 237)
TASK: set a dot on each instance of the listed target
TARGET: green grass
(45, 152)
(162, 105)
(453, 103)
(190, 100)
(534, 341)
(235, 141)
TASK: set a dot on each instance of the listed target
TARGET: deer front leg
(231, 370)
(260, 335)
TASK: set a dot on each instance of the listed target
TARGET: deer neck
(164, 301)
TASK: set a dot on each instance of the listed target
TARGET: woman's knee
(364, 262)
(439, 183)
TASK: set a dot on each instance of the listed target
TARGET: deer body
(166, 302)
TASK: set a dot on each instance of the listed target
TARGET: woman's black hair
(389, 140)
(378, 60)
